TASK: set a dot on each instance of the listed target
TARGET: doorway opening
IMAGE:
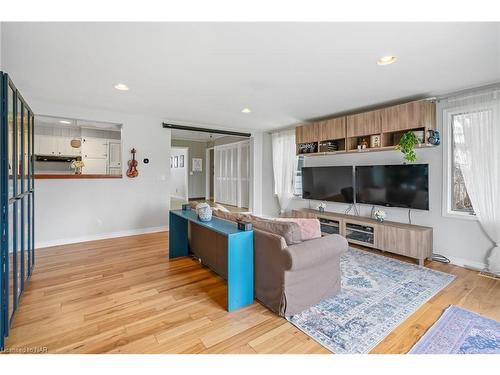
(216, 166)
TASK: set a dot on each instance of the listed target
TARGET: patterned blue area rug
(378, 293)
(459, 331)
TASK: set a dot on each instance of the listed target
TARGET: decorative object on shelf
(331, 146)
(197, 165)
(420, 134)
(407, 145)
(434, 137)
(76, 143)
(364, 143)
(181, 161)
(244, 225)
(77, 165)
(186, 207)
(308, 148)
(375, 140)
(380, 215)
(204, 211)
(322, 206)
(132, 165)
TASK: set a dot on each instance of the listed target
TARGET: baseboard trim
(100, 236)
(465, 263)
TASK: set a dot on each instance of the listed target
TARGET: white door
(115, 154)
(232, 174)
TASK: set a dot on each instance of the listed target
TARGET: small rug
(378, 293)
(460, 331)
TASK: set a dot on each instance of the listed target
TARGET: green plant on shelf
(407, 145)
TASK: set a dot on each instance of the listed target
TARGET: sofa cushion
(226, 215)
(288, 230)
(309, 228)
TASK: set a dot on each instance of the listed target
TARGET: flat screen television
(404, 186)
(334, 184)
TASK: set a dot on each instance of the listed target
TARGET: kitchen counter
(68, 176)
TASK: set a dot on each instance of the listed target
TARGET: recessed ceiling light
(65, 122)
(246, 110)
(121, 87)
(387, 60)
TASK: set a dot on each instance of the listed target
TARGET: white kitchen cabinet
(95, 148)
(64, 147)
(115, 154)
(94, 166)
(46, 145)
(55, 146)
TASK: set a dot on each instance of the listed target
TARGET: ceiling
(206, 73)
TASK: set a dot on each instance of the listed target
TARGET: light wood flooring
(124, 295)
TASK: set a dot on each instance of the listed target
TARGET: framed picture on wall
(181, 161)
(176, 161)
(197, 164)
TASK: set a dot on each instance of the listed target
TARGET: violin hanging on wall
(132, 166)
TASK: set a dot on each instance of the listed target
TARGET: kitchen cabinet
(95, 148)
(55, 146)
(95, 166)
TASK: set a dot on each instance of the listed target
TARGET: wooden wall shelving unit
(343, 134)
(413, 241)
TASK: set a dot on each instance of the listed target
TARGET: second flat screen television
(332, 184)
(404, 186)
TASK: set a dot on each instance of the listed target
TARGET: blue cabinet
(16, 200)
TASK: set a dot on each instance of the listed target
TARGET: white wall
(68, 211)
(461, 240)
(178, 176)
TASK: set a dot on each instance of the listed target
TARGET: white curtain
(284, 166)
(477, 145)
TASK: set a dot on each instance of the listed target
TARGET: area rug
(460, 331)
(378, 293)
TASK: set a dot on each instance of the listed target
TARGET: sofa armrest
(316, 251)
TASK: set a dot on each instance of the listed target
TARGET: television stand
(414, 241)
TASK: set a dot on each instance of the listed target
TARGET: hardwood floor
(124, 295)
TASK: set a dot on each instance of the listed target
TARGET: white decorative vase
(204, 212)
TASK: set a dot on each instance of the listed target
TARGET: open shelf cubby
(332, 145)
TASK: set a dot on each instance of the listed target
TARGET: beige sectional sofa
(290, 275)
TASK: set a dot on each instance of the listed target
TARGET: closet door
(232, 174)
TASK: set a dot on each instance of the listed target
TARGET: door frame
(207, 173)
(186, 168)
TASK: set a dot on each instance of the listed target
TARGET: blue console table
(239, 253)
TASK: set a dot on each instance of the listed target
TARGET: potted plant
(407, 145)
(77, 165)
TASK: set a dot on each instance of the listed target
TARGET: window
(297, 177)
(460, 201)
(457, 202)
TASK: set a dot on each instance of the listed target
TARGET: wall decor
(197, 165)
(176, 161)
(171, 161)
(375, 140)
(132, 165)
(181, 161)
